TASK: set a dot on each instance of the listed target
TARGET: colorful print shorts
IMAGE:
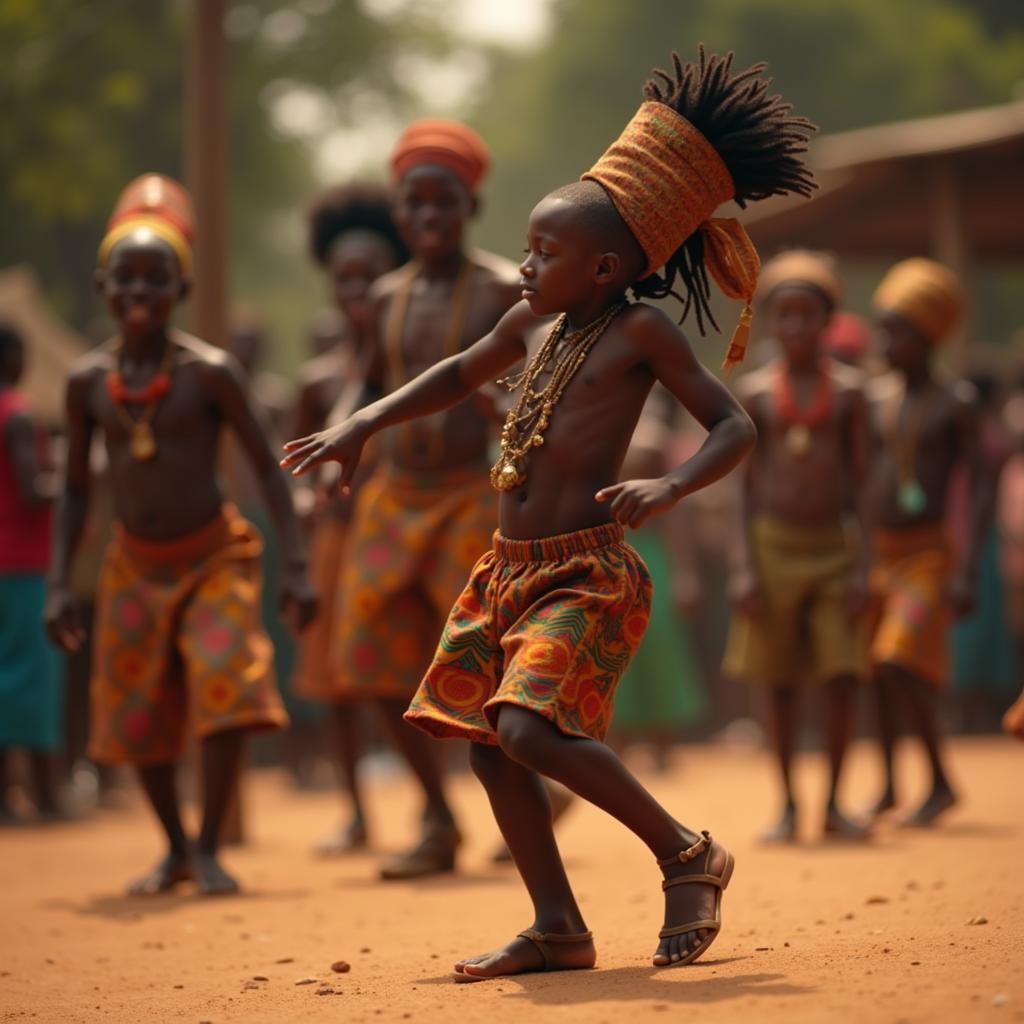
(179, 636)
(549, 625)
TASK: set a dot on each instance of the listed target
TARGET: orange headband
(925, 293)
(162, 229)
(447, 144)
(666, 180)
(801, 267)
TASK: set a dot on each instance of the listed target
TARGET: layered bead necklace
(529, 417)
(801, 422)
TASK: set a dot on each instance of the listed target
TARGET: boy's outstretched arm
(61, 615)
(445, 384)
(226, 385)
(731, 434)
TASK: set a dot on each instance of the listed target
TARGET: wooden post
(950, 246)
(206, 172)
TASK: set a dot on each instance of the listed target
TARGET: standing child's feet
(530, 951)
(694, 881)
(785, 829)
(171, 871)
(940, 800)
(839, 826)
(346, 840)
(211, 878)
(885, 803)
(434, 854)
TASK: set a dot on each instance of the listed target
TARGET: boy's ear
(475, 206)
(608, 264)
(186, 289)
(99, 279)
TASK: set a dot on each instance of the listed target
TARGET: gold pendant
(143, 441)
(798, 439)
(505, 476)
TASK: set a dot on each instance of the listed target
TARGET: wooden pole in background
(206, 173)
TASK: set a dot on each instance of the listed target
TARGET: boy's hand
(963, 595)
(745, 593)
(299, 601)
(858, 594)
(63, 625)
(342, 443)
(633, 502)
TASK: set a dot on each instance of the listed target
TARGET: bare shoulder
(758, 382)
(97, 362)
(846, 379)
(496, 268)
(385, 287)
(214, 366)
(649, 330)
(886, 388)
(327, 366)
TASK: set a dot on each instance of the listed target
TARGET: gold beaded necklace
(529, 417)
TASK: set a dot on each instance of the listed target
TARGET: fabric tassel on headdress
(666, 180)
(159, 205)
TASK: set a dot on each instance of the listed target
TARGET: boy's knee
(519, 735)
(485, 761)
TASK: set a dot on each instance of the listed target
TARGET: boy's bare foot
(886, 802)
(838, 826)
(346, 840)
(211, 878)
(696, 901)
(785, 830)
(940, 800)
(434, 854)
(172, 870)
(531, 951)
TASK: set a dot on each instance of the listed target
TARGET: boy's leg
(159, 782)
(593, 771)
(888, 698)
(436, 850)
(784, 709)
(44, 768)
(347, 749)
(920, 700)
(221, 761)
(840, 719)
(7, 816)
(522, 809)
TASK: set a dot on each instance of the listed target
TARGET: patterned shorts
(178, 635)
(549, 625)
(413, 540)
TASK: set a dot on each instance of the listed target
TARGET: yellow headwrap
(666, 180)
(161, 228)
(801, 266)
(925, 293)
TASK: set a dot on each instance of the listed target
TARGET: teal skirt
(662, 688)
(31, 672)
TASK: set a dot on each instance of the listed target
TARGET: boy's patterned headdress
(448, 144)
(801, 267)
(159, 205)
(925, 293)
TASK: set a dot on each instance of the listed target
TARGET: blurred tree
(92, 95)
(844, 64)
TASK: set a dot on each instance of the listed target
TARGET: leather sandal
(434, 854)
(543, 941)
(720, 882)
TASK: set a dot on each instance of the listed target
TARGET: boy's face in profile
(431, 209)
(797, 316)
(903, 346)
(141, 283)
(356, 260)
(560, 261)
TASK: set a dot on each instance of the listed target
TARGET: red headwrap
(447, 144)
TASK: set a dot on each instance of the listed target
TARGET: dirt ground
(818, 932)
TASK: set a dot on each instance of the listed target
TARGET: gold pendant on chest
(143, 443)
(798, 439)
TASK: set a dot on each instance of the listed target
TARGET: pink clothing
(1010, 517)
(24, 529)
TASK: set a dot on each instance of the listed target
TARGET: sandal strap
(694, 926)
(684, 857)
(542, 940)
(690, 879)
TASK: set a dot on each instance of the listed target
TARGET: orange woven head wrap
(926, 294)
(666, 180)
(801, 267)
(447, 144)
(159, 205)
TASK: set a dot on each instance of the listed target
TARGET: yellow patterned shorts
(179, 636)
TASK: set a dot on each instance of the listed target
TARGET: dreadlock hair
(361, 206)
(759, 142)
